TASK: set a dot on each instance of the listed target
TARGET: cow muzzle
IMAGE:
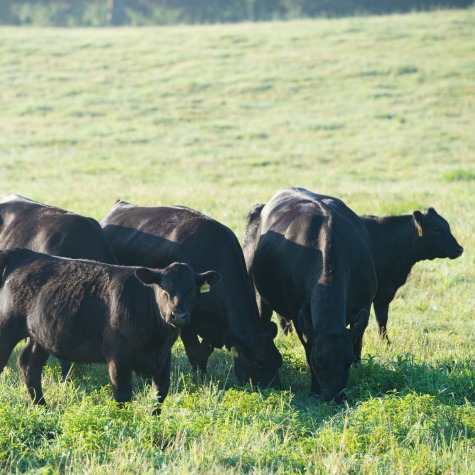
(179, 318)
(337, 398)
(457, 253)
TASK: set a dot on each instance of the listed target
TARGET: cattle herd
(121, 291)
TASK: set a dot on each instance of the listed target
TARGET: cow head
(332, 355)
(178, 287)
(257, 362)
(434, 236)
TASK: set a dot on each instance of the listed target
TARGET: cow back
(27, 224)
(313, 248)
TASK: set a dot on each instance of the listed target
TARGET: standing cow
(157, 236)
(310, 258)
(39, 227)
(89, 312)
(399, 242)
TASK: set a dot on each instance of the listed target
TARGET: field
(377, 111)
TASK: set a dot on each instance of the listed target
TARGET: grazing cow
(89, 312)
(228, 316)
(310, 259)
(398, 243)
(39, 227)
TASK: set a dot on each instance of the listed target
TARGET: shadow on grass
(449, 382)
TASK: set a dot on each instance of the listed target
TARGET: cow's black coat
(89, 312)
(28, 224)
(399, 242)
(309, 256)
(25, 223)
(156, 236)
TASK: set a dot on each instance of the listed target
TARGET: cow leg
(6, 349)
(315, 388)
(206, 349)
(161, 382)
(265, 311)
(10, 335)
(198, 353)
(358, 341)
(120, 373)
(285, 324)
(358, 348)
(381, 310)
(65, 369)
(31, 362)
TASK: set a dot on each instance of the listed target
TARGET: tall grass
(377, 111)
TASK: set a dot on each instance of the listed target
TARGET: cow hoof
(156, 411)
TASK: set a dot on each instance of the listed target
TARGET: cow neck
(394, 240)
(328, 307)
(242, 317)
(246, 329)
(145, 319)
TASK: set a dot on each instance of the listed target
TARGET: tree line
(147, 12)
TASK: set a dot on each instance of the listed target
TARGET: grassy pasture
(378, 111)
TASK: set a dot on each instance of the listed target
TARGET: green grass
(378, 111)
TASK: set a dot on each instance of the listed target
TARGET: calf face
(178, 288)
(435, 239)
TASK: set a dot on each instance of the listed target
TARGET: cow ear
(361, 322)
(211, 277)
(418, 217)
(148, 276)
(432, 211)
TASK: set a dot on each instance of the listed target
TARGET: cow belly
(77, 350)
(70, 338)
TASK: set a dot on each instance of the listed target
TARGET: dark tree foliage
(136, 12)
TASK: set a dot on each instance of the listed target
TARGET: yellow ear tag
(234, 351)
(419, 231)
(205, 288)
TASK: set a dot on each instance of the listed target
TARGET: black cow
(398, 243)
(310, 258)
(227, 316)
(89, 312)
(39, 227)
